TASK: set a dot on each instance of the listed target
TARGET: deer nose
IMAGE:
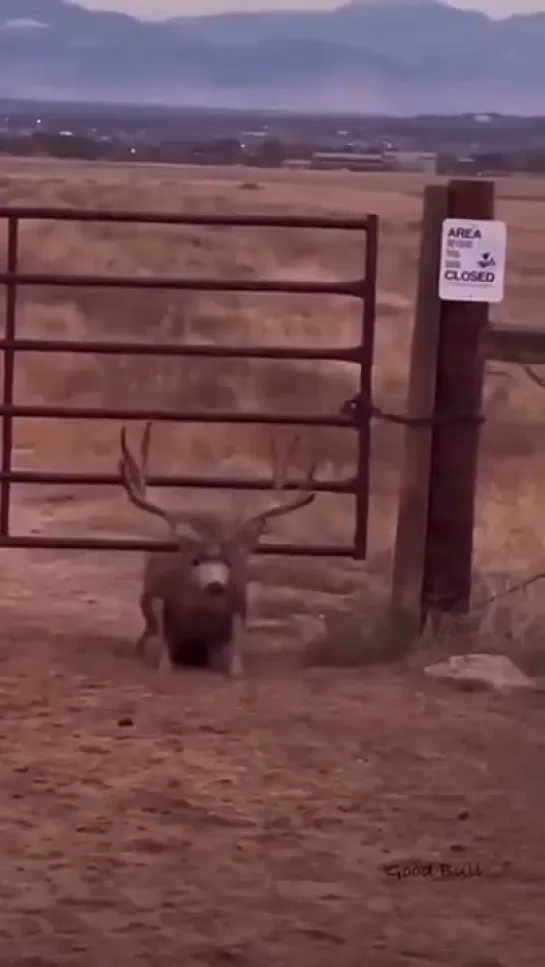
(215, 587)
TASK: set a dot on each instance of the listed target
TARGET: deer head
(210, 562)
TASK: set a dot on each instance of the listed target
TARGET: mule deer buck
(194, 598)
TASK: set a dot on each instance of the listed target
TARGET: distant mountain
(368, 56)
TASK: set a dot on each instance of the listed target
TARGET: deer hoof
(164, 664)
(235, 669)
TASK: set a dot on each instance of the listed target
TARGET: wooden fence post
(412, 521)
(434, 541)
(455, 446)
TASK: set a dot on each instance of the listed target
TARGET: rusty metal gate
(363, 289)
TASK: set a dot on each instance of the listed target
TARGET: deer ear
(185, 532)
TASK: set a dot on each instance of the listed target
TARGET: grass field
(251, 824)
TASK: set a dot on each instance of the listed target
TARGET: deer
(194, 598)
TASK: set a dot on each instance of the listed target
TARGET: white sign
(473, 255)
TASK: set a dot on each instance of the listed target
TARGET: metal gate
(363, 289)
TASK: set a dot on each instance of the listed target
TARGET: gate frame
(361, 354)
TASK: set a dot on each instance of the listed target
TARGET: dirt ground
(304, 815)
(301, 815)
(327, 816)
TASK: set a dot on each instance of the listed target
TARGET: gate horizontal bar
(286, 287)
(349, 354)
(207, 483)
(128, 544)
(170, 416)
(360, 224)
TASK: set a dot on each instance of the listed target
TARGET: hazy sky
(159, 8)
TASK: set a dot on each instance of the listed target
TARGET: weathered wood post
(434, 541)
(412, 521)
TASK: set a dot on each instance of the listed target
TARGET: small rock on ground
(495, 671)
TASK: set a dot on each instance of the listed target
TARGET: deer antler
(134, 478)
(303, 496)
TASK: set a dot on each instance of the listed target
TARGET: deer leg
(234, 668)
(151, 628)
(152, 645)
(164, 663)
(162, 649)
(228, 658)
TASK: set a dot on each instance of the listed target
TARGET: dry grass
(265, 841)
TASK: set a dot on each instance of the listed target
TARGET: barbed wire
(531, 374)
(511, 589)
(358, 409)
(355, 408)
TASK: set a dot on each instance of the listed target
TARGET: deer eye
(195, 562)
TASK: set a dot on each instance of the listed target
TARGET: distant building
(424, 162)
(349, 161)
(387, 160)
(296, 164)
